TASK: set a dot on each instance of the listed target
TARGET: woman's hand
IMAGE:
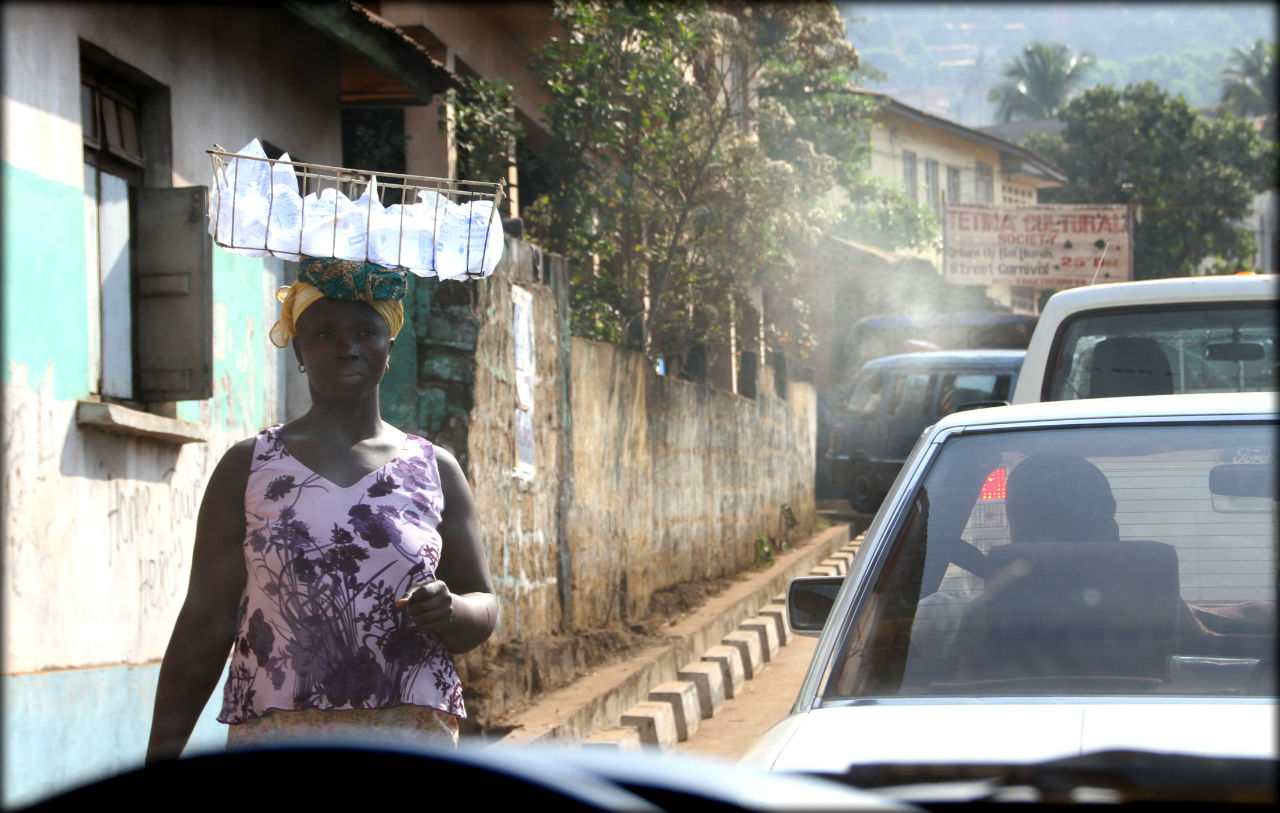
(460, 622)
(431, 606)
(460, 607)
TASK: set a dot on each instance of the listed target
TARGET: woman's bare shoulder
(444, 455)
(240, 453)
(231, 475)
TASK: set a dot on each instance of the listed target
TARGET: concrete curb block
(841, 566)
(748, 643)
(683, 697)
(622, 738)
(754, 643)
(767, 629)
(655, 723)
(730, 660)
(708, 679)
(778, 614)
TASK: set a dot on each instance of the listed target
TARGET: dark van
(880, 415)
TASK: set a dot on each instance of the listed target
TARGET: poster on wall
(522, 327)
(1049, 246)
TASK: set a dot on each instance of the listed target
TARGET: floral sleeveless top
(317, 626)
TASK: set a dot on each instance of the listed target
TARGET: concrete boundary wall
(638, 481)
(674, 481)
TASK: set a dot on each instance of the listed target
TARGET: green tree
(880, 214)
(1249, 82)
(1037, 83)
(486, 127)
(1193, 176)
(695, 150)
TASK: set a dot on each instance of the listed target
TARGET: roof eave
(387, 47)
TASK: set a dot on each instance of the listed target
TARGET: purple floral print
(317, 626)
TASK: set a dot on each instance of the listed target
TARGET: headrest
(1129, 365)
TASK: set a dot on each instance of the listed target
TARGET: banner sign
(1050, 246)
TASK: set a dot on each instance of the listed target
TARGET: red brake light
(994, 487)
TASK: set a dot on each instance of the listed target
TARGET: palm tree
(1037, 83)
(1249, 80)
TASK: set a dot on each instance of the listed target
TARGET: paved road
(763, 701)
(768, 697)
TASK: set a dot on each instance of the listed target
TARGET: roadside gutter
(599, 699)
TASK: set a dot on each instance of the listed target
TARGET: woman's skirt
(402, 724)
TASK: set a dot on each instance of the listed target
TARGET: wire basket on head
(260, 206)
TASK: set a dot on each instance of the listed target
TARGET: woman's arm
(459, 608)
(205, 629)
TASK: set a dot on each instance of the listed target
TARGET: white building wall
(99, 527)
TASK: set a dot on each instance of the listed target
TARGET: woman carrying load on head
(338, 559)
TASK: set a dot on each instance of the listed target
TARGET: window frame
(932, 186)
(169, 256)
(954, 186)
(984, 183)
(910, 176)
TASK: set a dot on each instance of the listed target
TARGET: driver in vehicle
(1051, 498)
(1055, 497)
(1066, 601)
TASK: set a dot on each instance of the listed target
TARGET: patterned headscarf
(382, 288)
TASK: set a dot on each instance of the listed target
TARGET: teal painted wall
(64, 729)
(241, 348)
(44, 280)
(398, 395)
(44, 291)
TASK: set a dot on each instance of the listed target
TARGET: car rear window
(1086, 560)
(1153, 352)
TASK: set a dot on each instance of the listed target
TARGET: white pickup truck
(1190, 334)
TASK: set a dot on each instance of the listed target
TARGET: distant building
(936, 161)
(1261, 222)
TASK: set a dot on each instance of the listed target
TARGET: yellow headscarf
(296, 298)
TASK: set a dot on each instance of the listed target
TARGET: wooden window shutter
(173, 261)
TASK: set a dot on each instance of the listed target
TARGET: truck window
(865, 399)
(912, 395)
(1150, 352)
(966, 388)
